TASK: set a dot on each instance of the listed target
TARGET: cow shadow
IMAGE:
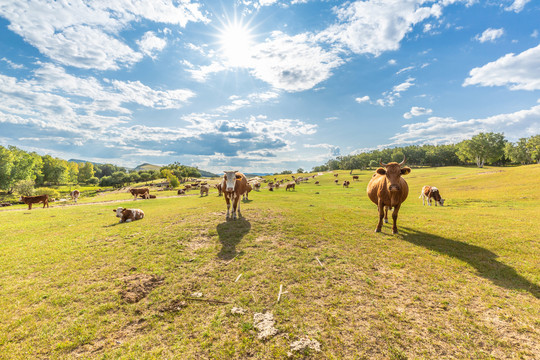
(230, 233)
(484, 261)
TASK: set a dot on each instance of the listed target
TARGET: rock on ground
(264, 323)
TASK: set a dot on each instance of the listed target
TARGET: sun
(236, 42)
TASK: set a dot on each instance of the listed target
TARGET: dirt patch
(174, 306)
(489, 172)
(138, 286)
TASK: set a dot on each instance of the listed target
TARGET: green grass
(459, 281)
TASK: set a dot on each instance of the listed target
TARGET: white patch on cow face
(441, 202)
(119, 212)
(230, 180)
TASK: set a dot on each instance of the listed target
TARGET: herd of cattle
(387, 189)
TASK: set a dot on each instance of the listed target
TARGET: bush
(93, 180)
(24, 187)
(53, 194)
(173, 181)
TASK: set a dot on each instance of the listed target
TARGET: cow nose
(394, 188)
(229, 189)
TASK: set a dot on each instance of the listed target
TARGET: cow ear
(238, 177)
(381, 171)
(114, 210)
(406, 170)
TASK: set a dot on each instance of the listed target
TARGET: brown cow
(187, 187)
(181, 192)
(257, 186)
(336, 181)
(346, 183)
(336, 175)
(356, 177)
(430, 192)
(234, 185)
(29, 200)
(136, 192)
(316, 183)
(248, 190)
(218, 187)
(204, 189)
(74, 195)
(387, 189)
(128, 215)
(290, 185)
(276, 185)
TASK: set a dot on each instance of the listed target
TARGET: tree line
(484, 148)
(19, 168)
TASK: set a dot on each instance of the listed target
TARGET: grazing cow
(336, 181)
(234, 185)
(276, 185)
(346, 183)
(430, 192)
(194, 185)
(219, 189)
(356, 177)
(74, 195)
(29, 200)
(336, 175)
(187, 187)
(181, 192)
(204, 189)
(387, 189)
(248, 190)
(137, 192)
(316, 182)
(290, 185)
(257, 186)
(128, 215)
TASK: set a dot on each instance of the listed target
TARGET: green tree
(24, 187)
(300, 171)
(55, 171)
(373, 164)
(6, 166)
(482, 148)
(173, 181)
(23, 166)
(533, 146)
(73, 172)
(518, 153)
(86, 171)
(145, 176)
(93, 180)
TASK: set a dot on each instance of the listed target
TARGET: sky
(263, 85)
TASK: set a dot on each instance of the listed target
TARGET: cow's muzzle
(394, 188)
(230, 189)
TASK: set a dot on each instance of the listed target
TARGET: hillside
(146, 167)
(458, 282)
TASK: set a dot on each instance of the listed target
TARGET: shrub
(53, 194)
(93, 180)
(24, 187)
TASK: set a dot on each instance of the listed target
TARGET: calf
(290, 185)
(75, 195)
(219, 189)
(181, 192)
(128, 215)
(29, 200)
(204, 189)
(356, 178)
(430, 192)
(136, 192)
(234, 185)
(346, 183)
(336, 175)
(336, 181)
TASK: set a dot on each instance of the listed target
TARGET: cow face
(393, 172)
(119, 211)
(441, 202)
(230, 180)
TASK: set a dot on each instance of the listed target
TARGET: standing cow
(387, 189)
(142, 191)
(29, 200)
(75, 195)
(204, 189)
(234, 185)
(431, 192)
(245, 196)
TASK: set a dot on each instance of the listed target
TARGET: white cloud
(362, 99)
(332, 149)
(437, 130)
(517, 5)
(417, 111)
(85, 34)
(135, 91)
(11, 64)
(518, 72)
(534, 34)
(389, 97)
(150, 44)
(375, 26)
(392, 62)
(489, 35)
(408, 68)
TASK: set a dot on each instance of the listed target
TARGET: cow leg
(228, 205)
(237, 207)
(386, 214)
(30, 206)
(394, 217)
(381, 216)
(423, 200)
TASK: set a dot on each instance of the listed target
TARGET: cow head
(230, 180)
(119, 211)
(393, 172)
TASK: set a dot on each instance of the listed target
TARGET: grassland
(458, 282)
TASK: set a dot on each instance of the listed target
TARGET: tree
(373, 164)
(518, 153)
(86, 171)
(73, 172)
(173, 181)
(533, 146)
(6, 165)
(24, 187)
(145, 176)
(23, 166)
(55, 170)
(93, 180)
(482, 148)
(300, 171)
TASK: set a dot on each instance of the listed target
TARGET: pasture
(459, 281)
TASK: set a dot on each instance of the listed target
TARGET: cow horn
(382, 164)
(403, 162)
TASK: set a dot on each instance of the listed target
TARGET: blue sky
(264, 85)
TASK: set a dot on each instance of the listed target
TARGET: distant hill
(78, 161)
(147, 166)
(207, 173)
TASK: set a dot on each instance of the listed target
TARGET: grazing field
(459, 281)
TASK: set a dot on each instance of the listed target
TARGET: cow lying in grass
(29, 200)
(128, 215)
